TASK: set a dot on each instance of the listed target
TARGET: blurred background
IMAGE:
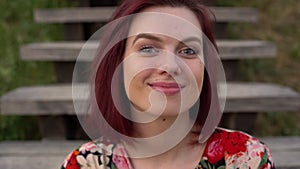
(278, 23)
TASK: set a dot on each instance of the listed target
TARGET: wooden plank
(286, 159)
(73, 15)
(246, 49)
(235, 14)
(69, 51)
(57, 99)
(50, 154)
(287, 143)
(102, 14)
(285, 150)
(39, 100)
(35, 154)
(53, 147)
(32, 162)
(260, 97)
(55, 51)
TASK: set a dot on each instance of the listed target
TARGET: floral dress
(225, 149)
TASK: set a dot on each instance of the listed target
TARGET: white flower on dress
(91, 162)
(249, 159)
(87, 147)
(103, 149)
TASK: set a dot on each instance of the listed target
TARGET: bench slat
(50, 154)
(32, 162)
(102, 14)
(68, 51)
(57, 99)
(291, 143)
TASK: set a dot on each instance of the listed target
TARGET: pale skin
(161, 81)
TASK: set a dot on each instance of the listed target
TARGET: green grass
(17, 28)
(274, 124)
(278, 23)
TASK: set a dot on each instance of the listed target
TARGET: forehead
(175, 22)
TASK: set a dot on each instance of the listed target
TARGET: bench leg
(61, 128)
(52, 127)
(240, 121)
(73, 128)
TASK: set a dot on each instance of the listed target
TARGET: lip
(168, 88)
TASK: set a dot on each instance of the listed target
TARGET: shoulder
(96, 155)
(236, 148)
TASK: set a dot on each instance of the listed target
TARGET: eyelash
(195, 52)
(148, 49)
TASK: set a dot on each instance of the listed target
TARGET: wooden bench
(69, 51)
(101, 14)
(243, 101)
(285, 151)
(57, 99)
(51, 154)
(64, 55)
(77, 19)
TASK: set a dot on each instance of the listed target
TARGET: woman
(158, 118)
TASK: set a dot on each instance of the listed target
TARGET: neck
(165, 133)
(170, 149)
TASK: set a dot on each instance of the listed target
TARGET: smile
(168, 88)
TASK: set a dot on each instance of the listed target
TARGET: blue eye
(188, 52)
(148, 49)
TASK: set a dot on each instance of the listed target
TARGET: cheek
(138, 92)
(132, 76)
(199, 74)
(135, 71)
(197, 70)
(135, 82)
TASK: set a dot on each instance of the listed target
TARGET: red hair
(103, 73)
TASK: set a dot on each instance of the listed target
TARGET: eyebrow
(146, 36)
(155, 38)
(192, 38)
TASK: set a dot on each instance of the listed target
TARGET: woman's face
(163, 61)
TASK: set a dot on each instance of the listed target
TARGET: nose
(170, 64)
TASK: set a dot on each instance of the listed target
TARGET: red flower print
(224, 141)
(72, 163)
(235, 142)
(214, 150)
